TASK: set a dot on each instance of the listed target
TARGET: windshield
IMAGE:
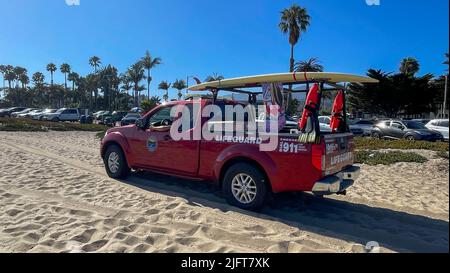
(414, 125)
(133, 116)
(60, 111)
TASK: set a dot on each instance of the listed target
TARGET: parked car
(9, 111)
(28, 115)
(363, 127)
(130, 119)
(439, 125)
(325, 123)
(111, 120)
(423, 121)
(402, 129)
(96, 114)
(325, 126)
(40, 115)
(26, 111)
(86, 119)
(137, 110)
(102, 115)
(291, 124)
(63, 114)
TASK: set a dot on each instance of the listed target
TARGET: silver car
(40, 116)
(439, 125)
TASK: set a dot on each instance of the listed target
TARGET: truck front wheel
(116, 163)
(245, 187)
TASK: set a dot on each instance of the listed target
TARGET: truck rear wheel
(245, 187)
(115, 163)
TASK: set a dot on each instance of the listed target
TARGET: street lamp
(187, 83)
(444, 111)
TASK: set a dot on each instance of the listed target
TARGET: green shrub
(443, 154)
(27, 125)
(388, 158)
(380, 144)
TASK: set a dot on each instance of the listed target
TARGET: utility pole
(444, 111)
(187, 83)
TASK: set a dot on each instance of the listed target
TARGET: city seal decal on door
(152, 144)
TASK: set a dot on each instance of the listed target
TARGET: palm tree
(24, 80)
(38, 80)
(3, 72)
(91, 88)
(214, 77)
(10, 76)
(179, 85)
(51, 67)
(134, 75)
(310, 65)
(65, 69)
(74, 78)
(149, 63)
(165, 86)
(409, 66)
(95, 62)
(21, 77)
(294, 21)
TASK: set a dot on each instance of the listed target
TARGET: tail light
(318, 157)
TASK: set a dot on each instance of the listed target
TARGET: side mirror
(140, 123)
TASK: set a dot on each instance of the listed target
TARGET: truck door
(155, 149)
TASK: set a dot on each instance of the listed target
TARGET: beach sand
(56, 197)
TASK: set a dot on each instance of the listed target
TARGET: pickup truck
(246, 174)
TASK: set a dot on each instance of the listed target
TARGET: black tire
(122, 170)
(410, 138)
(55, 120)
(259, 182)
(376, 135)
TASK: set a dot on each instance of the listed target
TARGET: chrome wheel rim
(113, 162)
(244, 188)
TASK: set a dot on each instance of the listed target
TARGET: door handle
(167, 138)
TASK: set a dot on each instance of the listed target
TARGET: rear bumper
(337, 183)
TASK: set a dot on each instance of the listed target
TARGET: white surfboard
(285, 78)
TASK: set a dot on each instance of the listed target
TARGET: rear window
(414, 125)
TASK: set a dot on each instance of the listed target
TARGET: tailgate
(339, 153)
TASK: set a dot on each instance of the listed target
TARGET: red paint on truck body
(293, 166)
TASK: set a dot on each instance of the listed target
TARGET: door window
(161, 117)
(397, 125)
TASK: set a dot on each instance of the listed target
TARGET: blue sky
(230, 37)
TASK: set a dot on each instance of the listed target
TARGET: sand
(56, 197)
